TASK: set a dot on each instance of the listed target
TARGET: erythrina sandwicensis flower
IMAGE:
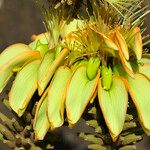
(78, 59)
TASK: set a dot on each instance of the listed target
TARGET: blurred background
(19, 19)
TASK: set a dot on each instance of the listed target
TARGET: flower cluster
(78, 59)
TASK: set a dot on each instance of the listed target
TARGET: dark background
(19, 19)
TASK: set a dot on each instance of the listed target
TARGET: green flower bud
(106, 77)
(92, 67)
(43, 48)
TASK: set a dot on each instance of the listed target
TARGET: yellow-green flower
(75, 61)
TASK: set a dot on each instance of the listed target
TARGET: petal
(126, 64)
(142, 66)
(80, 91)
(51, 68)
(11, 52)
(136, 43)
(41, 124)
(113, 104)
(145, 59)
(122, 45)
(56, 97)
(44, 67)
(145, 69)
(24, 87)
(4, 78)
(139, 89)
(13, 57)
(109, 43)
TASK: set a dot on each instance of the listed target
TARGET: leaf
(113, 104)
(136, 43)
(122, 45)
(139, 89)
(56, 97)
(12, 57)
(79, 92)
(41, 124)
(24, 87)
(45, 76)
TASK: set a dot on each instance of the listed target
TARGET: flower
(101, 55)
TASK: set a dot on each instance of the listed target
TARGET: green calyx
(92, 67)
(106, 73)
(43, 48)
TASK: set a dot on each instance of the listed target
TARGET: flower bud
(92, 67)
(106, 77)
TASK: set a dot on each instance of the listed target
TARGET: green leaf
(56, 97)
(48, 68)
(12, 57)
(139, 89)
(24, 87)
(113, 104)
(41, 124)
(80, 91)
